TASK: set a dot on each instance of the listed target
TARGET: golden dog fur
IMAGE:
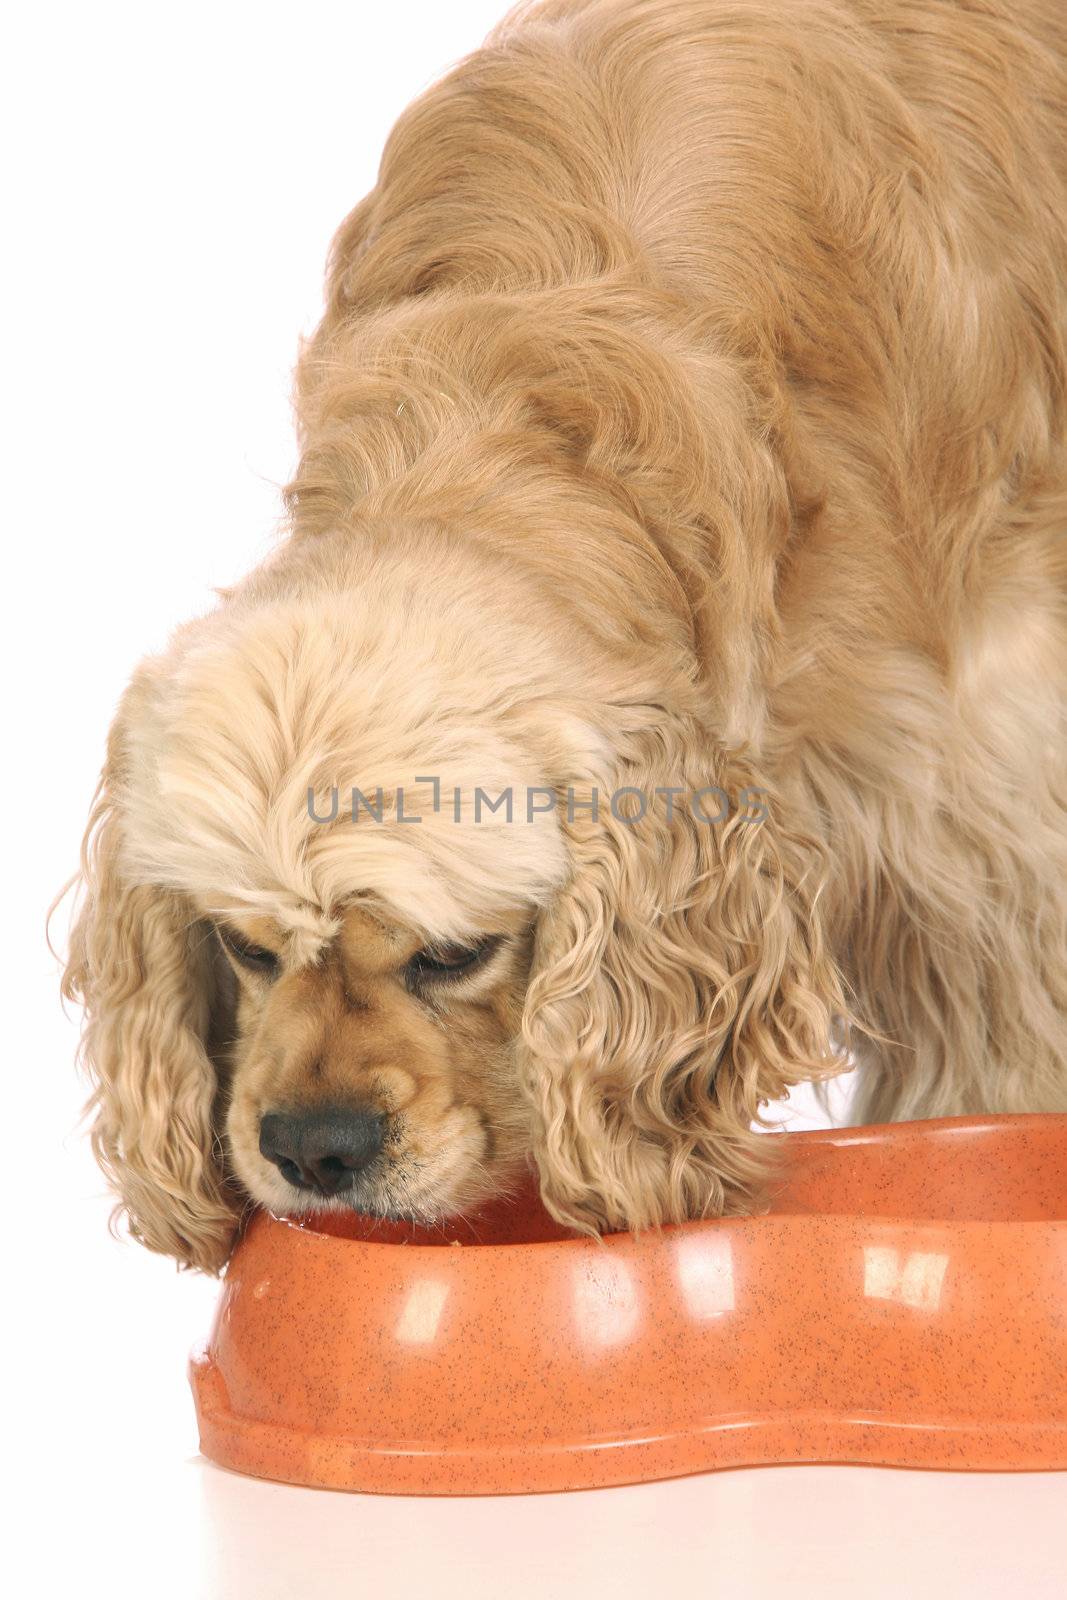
(688, 410)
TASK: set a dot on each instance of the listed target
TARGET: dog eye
(253, 956)
(449, 960)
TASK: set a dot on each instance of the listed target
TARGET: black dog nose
(322, 1149)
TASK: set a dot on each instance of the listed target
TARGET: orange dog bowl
(904, 1303)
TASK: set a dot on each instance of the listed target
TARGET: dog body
(687, 418)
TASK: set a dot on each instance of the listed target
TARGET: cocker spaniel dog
(663, 680)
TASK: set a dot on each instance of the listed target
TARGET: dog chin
(366, 1202)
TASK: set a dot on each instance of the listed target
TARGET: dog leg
(960, 956)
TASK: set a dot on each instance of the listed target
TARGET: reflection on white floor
(864, 1533)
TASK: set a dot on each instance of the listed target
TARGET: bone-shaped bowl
(903, 1303)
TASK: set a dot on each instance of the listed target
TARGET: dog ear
(144, 968)
(681, 980)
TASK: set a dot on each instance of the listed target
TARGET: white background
(175, 174)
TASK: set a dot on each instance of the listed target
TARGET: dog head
(392, 886)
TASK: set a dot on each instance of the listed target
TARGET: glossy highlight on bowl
(904, 1303)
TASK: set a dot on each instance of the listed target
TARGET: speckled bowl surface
(904, 1303)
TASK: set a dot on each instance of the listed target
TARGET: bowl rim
(918, 1130)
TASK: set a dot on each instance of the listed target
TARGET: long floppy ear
(144, 969)
(681, 980)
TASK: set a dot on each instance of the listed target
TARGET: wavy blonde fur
(689, 409)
